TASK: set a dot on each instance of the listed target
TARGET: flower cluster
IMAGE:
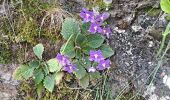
(96, 22)
(66, 63)
(98, 57)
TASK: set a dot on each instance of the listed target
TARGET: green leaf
(85, 27)
(84, 82)
(80, 72)
(106, 50)
(78, 54)
(94, 75)
(86, 62)
(45, 68)
(165, 6)
(68, 49)
(39, 76)
(94, 40)
(18, 73)
(39, 89)
(80, 39)
(59, 77)
(38, 50)
(54, 65)
(28, 73)
(34, 64)
(49, 82)
(86, 49)
(168, 17)
(69, 27)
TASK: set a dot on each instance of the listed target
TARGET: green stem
(67, 43)
(162, 45)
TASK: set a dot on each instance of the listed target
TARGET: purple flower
(102, 17)
(87, 15)
(70, 68)
(106, 31)
(91, 69)
(103, 65)
(95, 27)
(63, 60)
(96, 55)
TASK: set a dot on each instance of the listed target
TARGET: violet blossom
(70, 68)
(87, 15)
(106, 31)
(96, 56)
(94, 28)
(66, 63)
(104, 64)
(102, 17)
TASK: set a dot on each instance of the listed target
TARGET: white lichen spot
(165, 98)
(150, 44)
(119, 30)
(136, 28)
(166, 81)
(153, 97)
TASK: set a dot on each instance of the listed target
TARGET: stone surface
(136, 47)
(8, 90)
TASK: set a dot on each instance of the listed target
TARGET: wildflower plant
(84, 54)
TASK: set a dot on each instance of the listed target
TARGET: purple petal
(63, 60)
(96, 56)
(69, 68)
(104, 64)
(102, 17)
(95, 27)
(106, 31)
(87, 15)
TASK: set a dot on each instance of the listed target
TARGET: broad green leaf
(18, 73)
(39, 89)
(84, 82)
(54, 65)
(85, 27)
(86, 62)
(86, 49)
(45, 68)
(80, 39)
(68, 49)
(28, 73)
(49, 82)
(59, 77)
(168, 17)
(38, 50)
(34, 64)
(94, 40)
(80, 72)
(39, 76)
(94, 75)
(106, 50)
(165, 6)
(78, 54)
(69, 27)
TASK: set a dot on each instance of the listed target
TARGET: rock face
(136, 38)
(8, 85)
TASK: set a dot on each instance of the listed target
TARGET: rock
(8, 85)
